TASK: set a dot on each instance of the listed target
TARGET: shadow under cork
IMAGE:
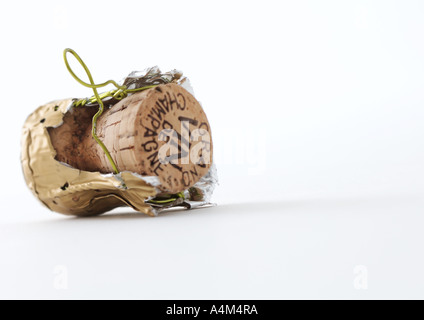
(337, 206)
(212, 209)
(297, 206)
(137, 215)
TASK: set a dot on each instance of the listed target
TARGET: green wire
(170, 200)
(120, 93)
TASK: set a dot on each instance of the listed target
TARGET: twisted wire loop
(119, 93)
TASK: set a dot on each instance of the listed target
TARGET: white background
(317, 116)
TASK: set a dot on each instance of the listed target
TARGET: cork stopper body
(161, 132)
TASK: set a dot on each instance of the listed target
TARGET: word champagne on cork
(147, 144)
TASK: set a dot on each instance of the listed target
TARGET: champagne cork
(162, 131)
(146, 144)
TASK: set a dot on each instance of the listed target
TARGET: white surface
(318, 138)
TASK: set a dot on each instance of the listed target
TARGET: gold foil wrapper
(67, 190)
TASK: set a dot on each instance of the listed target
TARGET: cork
(161, 132)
